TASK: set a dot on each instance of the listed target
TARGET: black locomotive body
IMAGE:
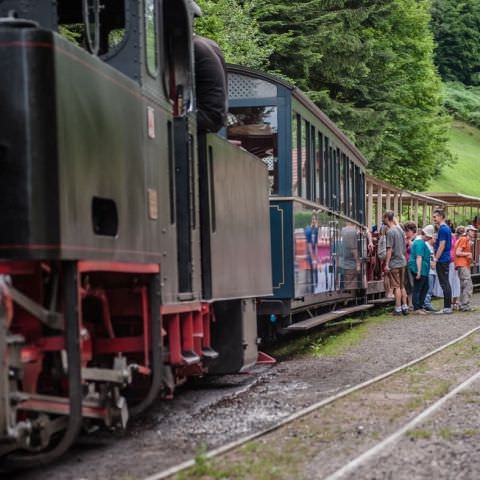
(125, 236)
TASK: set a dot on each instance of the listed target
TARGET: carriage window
(341, 165)
(313, 147)
(328, 184)
(305, 164)
(346, 192)
(256, 128)
(98, 28)
(351, 189)
(334, 178)
(296, 153)
(151, 36)
(320, 170)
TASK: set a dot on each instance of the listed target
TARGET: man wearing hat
(463, 263)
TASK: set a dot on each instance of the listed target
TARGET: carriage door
(178, 81)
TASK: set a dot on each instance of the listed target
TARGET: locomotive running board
(310, 323)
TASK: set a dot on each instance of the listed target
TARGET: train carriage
(317, 195)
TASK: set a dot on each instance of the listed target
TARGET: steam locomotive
(136, 252)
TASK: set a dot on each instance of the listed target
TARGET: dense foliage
(233, 26)
(463, 102)
(369, 64)
(456, 25)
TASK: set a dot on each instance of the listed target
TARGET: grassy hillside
(463, 177)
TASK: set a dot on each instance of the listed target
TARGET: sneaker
(445, 311)
(396, 313)
(456, 306)
(467, 309)
(404, 311)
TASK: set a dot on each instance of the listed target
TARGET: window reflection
(98, 30)
(296, 154)
(256, 128)
(151, 36)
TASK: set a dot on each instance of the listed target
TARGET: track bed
(214, 417)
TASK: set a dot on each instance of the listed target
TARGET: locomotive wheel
(23, 460)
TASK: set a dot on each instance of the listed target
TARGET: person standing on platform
(442, 258)
(395, 262)
(429, 233)
(410, 236)
(419, 266)
(463, 263)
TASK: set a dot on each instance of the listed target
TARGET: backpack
(382, 248)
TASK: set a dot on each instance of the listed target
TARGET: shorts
(397, 277)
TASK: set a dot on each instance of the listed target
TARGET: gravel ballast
(174, 430)
(445, 446)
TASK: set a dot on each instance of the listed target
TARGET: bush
(463, 102)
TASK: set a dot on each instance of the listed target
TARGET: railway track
(373, 452)
(340, 473)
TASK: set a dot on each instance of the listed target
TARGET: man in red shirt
(463, 262)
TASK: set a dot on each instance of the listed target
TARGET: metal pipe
(155, 346)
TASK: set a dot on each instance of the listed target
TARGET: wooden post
(416, 212)
(424, 214)
(370, 205)
(400, 207)
(395, 203)
(379, 206)
(387, 201)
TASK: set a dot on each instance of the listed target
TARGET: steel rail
(305, 411)
(370, 453)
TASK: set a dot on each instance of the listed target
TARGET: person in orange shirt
(463, 262)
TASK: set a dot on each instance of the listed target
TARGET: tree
(456, 26)
(369, 65)
(232, 25)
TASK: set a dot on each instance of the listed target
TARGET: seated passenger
(210, 84)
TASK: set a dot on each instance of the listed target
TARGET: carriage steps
(313, 322)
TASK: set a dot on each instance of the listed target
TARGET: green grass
(463, 176)
(334, 345)
(419, 434)
(331, 341)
